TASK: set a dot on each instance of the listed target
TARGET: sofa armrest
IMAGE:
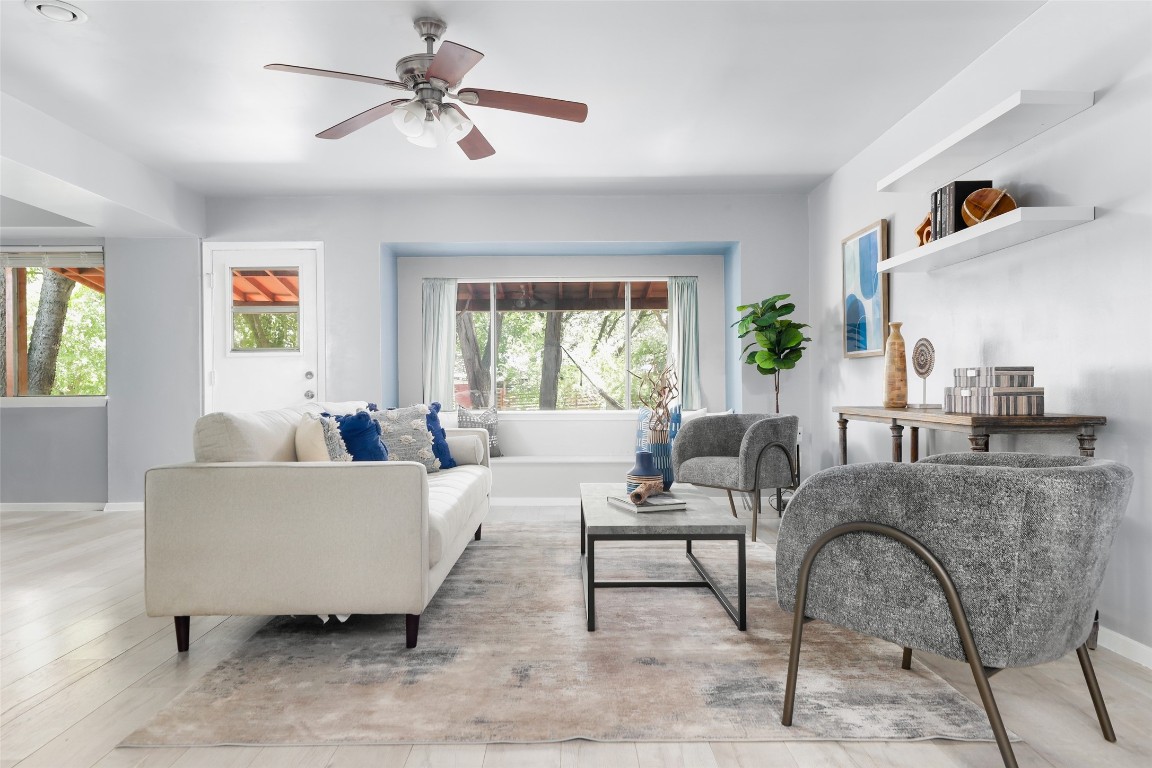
(257, 538)
(468, 446)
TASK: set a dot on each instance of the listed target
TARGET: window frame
(44, 258)
(630, 407)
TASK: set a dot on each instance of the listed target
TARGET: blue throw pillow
(439, 438)
(360, 434)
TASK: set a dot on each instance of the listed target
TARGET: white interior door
(263, 342)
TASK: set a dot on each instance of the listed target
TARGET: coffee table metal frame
(661, 526)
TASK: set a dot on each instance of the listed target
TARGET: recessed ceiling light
(56, 10)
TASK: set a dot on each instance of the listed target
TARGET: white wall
(710, 294)
(770, 230)
(1073, 304)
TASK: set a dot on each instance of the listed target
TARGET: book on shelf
(935, 213)
(651, 504)
(951, 198)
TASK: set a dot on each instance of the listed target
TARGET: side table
(979, 428)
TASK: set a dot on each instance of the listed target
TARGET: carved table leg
(1087, 440)
(914, 445)
(979, 443)
(843, 440)
(897, 442)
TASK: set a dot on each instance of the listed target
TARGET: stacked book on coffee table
(995, 391)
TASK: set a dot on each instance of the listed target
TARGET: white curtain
(439, 310)
(684, 339)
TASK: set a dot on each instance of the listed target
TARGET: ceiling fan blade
(474, 144)
(519, 102)
(452, 61)
(340, 130)
(339, 75)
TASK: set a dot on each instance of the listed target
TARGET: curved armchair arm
(1026, 547)
(766, 453)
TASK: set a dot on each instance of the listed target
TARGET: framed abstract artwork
(865, 301)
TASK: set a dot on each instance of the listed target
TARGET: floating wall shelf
(1012, 122)
(1008, 229)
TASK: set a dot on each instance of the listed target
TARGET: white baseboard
(67, 506)
(1125, 646)
(124, 506)
(536, 501)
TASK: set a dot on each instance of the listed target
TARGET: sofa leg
(411, 628)
(183, 623)
(477, 537)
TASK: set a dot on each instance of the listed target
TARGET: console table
(978, 427)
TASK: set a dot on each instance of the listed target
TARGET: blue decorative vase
(662, 458)
(644, 471)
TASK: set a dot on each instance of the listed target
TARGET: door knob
(309, 395)
(308, 374)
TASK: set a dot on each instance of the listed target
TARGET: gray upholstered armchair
(737, 452)
(991, 558)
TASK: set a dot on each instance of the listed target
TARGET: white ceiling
(682, 96)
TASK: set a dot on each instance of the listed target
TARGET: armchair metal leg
(755, 511)
(967, 641)
(1094, 690)
(731, 504)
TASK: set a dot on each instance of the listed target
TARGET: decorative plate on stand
(923, 361)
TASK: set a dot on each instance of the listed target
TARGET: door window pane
(265, 309)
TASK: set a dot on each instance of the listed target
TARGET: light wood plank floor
(82, 667)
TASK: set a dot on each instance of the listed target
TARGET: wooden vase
(895, 369)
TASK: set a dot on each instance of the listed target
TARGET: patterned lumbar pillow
(351, 437)
(485, 419)
(405, 433)
(439, 438)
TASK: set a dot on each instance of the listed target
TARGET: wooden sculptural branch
(656, 389)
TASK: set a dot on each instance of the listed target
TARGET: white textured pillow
(310, 444)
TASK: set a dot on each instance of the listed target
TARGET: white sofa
(248, 530)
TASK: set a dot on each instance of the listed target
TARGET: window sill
(86, 401)
(630, 415)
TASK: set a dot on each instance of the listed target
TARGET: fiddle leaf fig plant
(778, 342)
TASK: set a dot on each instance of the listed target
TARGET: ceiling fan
(427, 119)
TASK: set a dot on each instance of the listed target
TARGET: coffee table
(701, 521)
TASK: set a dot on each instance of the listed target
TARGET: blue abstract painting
(865, 291)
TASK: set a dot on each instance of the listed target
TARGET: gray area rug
(504, 656)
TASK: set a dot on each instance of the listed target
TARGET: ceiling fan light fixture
(409, 118)
(456, 125)
(432, 135)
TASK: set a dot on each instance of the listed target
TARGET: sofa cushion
(452, 496)
(313, 435)
(252, 436)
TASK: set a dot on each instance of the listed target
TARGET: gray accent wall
(153, 306)
(53, 455)
(1073, 304)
